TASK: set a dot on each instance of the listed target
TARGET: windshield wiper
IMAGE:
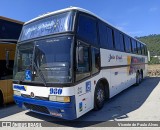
(40, 74)
(21, 79)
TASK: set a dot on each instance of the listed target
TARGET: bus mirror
(7, 59)
(149, 57)
(80, 54)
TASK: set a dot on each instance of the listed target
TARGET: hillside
(153, 43)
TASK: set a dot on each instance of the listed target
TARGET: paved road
(140, 103)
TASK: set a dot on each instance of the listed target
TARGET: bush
(154, 60)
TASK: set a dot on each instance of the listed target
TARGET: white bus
(70, 61)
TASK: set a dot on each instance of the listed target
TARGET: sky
(135, 17)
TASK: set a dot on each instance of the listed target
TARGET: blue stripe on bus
(53, 107)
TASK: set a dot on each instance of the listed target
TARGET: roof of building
(11, 20)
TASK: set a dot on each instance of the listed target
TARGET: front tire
(141, 76)
(99, 96)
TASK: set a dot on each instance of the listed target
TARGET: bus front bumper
(56, 109)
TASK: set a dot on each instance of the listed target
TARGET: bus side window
(105, 36)
(119, 43)
(127, 44)
(134, 46)
(110, 38)
(82, 62)
(87, 29)
(122, 42)
(143, 49)
(95, 60)
(139, 48)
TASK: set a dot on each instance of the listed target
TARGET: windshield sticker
(88, 86)
(28, 75)
(56, 91)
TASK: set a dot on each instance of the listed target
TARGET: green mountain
(152, 42)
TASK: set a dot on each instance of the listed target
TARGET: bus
(70, 61)
(9, 33)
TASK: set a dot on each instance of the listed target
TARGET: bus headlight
(59, 98)
(52, 98)
(17, 93)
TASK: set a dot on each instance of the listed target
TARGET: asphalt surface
(137, 103)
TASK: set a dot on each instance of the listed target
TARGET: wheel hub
(100, 95)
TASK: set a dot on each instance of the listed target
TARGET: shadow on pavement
(116, 108)
(9, 110)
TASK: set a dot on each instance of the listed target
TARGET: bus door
(87, 65)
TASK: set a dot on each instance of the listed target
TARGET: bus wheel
(141, 76)
(99, 96)
(1, 99)
(137, 78)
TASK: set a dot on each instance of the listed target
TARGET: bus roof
(79, 9)
(60, 11)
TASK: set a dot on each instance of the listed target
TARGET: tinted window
(142, 49)
(118, 38)
(127, 44)
(95, 60)
(47, 56)
(134, 46)
(110, 38)
(103, 35)
(121, 42)
(9, 30)
(139, 48)
(82, 61)
(49, 25)
(87, 29)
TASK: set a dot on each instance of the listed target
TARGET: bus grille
(37, 108)
(36, 97)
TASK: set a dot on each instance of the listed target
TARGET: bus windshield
(46, 61)
(50, 25)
